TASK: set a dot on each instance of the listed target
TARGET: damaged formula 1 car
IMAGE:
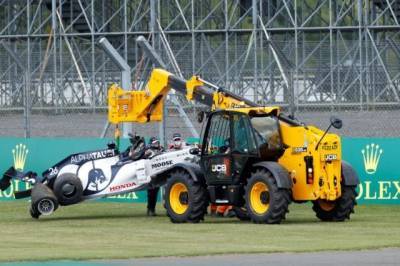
(97, 174)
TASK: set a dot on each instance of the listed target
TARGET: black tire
(273, 201)
(34, 214)
(193, 202)
(241, 213)
(68, 189)
(339, 210)
(43, 201)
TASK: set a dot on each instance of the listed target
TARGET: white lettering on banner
(14, 187)
(383, 189)
(367, 191)
(10, 193)
(131, 195)
(379, 190)
(397, 186)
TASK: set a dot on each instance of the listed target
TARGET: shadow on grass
(208, 220)
(164, 218)
(303, 221)
(299, 221)
(95, 217)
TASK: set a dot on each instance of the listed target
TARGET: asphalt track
(388, 256)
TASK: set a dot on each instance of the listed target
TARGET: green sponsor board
(38, 154)
(374, 160)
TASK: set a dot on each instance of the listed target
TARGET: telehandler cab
(252, 157)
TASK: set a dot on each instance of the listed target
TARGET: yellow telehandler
(252, 157)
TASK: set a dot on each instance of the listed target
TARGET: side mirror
(336, 122)
(200, 116)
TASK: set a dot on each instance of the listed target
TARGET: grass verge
(98, 230)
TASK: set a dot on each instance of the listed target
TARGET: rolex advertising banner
(375, 161)
(39, 154)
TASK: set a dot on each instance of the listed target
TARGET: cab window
(267, 132)
(218, 139)
(244, 141)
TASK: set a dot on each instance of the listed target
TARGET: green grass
(121, 230)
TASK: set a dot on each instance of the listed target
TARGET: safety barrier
(375, 160)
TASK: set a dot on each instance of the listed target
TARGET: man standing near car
(153, 149)
(177, 143)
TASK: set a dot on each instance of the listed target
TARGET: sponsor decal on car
(97, 180)
(122, 187)
(92, 156)
(161, 164)
(160, 158)
(182, 154)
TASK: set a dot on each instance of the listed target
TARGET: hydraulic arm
(147, 105)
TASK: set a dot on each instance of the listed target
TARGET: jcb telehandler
(252, 157)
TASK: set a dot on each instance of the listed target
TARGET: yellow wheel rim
(177, 193)
(259, 198)
(326, 205)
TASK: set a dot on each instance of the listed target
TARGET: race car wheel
(68, 189)
(46, 206)
(185, 200)
(338, 210)
(43, 201)
(265, 201)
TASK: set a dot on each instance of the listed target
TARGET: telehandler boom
(252, 157)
